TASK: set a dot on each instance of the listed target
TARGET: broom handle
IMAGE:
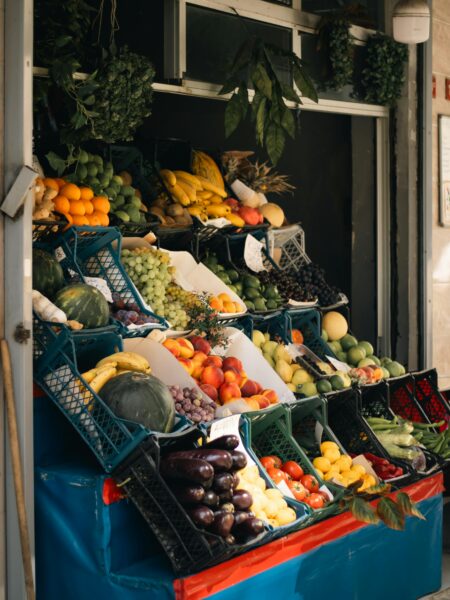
(17, 468)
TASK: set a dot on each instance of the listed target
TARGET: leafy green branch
(255, 66)
(392, 512)
(336, 41)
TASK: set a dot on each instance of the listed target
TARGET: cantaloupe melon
(335, 325)
(273, 213)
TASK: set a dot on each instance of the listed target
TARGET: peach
(229, 391)
(271, 395)
(250, 388)
(252, 403)
(173, 346)
(232, 362)
(263, 401)
(187, 364)
(214, 361)
(259, 387)
(186, 348)
(212, 375)
(200, 344)
(197, 369)
(210, 391)
(232, 376)
(216, 304)
(199, 357)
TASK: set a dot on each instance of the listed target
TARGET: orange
(224, 297)
(216, 304)
(238, 307)
(62, 205)
(101, 204)
(94, 221)
(88, 207)
(297, 336)
(86, 193)
(104, 219)
(229, 306)
(80, 220)
(77, 208)
(51, 183)
(60, 182)
(71, 191)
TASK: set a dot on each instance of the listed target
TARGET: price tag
(253, 255)
(101, 286)
(318, 433)
(338, 365)
(60, 254)
(230, 426)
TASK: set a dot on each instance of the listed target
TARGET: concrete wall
(441, 235)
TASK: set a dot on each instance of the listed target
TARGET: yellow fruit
(351, 476)
(320, 473)
(321, 463)
(325, 445)
(218, 210)
(168, 177)
(335, 325)
(235, 220)
(332, 454)
(188, 189)
(204, 165)
(179, 194)
(358, 469)
(344, 462)
(192, 180)
(207, 185)
(272, 213)
(286, 516)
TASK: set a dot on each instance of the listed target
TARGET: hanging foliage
(254, 67)
(336, 41)
(384, 73)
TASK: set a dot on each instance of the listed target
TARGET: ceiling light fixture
(411, 21)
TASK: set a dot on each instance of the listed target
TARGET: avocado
(252, 293)
(233, 275)
(251, 282)
(260, 304)
(271, 304)
(271, 292)
(249, 304)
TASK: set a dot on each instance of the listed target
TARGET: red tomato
(315, 501)
(277, 475)
(298, 490)
(293, 469)
(271, 462)
(325, 497)
(310, 483)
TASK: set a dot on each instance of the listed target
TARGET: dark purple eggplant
(208, 484)
(226, 442)
(222, 524)
(225, 496)
(186, 469)
(227, 506)
(220, 460)
(249, 528)
(201, 515)
(240, 516)
(211, 499)
(236, 480)
(239, 460)
(190, 494)
(230, 539)
(241, 499)
(223, 482)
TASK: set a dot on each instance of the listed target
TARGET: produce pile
(206, 481)
(129, 313)
(311, 283)
(339, 468)
(224, 380)
(150, 271)
(359, 355)
(395, 435)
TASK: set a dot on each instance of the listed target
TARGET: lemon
(331, 475)
(351, 476)
(320, 473)
(328, 445)
(321, 463)
(332, 454)
(344, 462)
(358, 469)
(344, 481)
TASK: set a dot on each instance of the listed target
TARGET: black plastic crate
(402, 399)
(430, 398)
(45, 230)
(308, 321)
(188, 548)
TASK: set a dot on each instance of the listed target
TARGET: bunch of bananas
(111, 366)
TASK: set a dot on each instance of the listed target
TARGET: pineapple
(260, 177)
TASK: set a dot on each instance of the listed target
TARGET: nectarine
(186, 348)
(233, 363)
(199, 357)
(228, 391)
(232, 376)
(210, 391)
(173, 346)
(187, 364)
(252, 403)
(200, 344)
(214, 361)
(250, 388)
(271, 395)
(212, 375)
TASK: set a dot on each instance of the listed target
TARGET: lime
(365, 362)
(375, 359)
(342, 356)
(385, 361)
(82, 172)
(355, 355)
(395, 369)
(367, 347)
(348, 341)
(83, 157)
(324, 386)
(337, 382)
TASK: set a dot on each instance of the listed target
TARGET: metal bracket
(22, 334)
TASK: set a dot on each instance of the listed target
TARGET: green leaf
(233, 114)
(57, 163)
(78, 120)
(391, 514)
(274, 142)
(243, 55)
(381, 488)
(262, 81)
(260, 120)
(408, 507)
(363, 511)
(288, 122)
(304, 83)
(243, 98)
(289, 93)
(257, 99)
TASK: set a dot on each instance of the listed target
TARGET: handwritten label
(340, 366)
(101, 286)
(253, 254)
(230, 426)
(60, 254)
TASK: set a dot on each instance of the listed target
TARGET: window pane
(372, 13)
(214, 37)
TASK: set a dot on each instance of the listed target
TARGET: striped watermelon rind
(48, 276)
(83, 303)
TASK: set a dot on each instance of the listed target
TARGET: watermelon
(140, 398)
(83, 303)
(48, 276)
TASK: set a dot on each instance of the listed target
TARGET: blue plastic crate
(95, 252)
(58, 374)
(309, 323)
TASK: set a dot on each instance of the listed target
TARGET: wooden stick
(17, 468)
